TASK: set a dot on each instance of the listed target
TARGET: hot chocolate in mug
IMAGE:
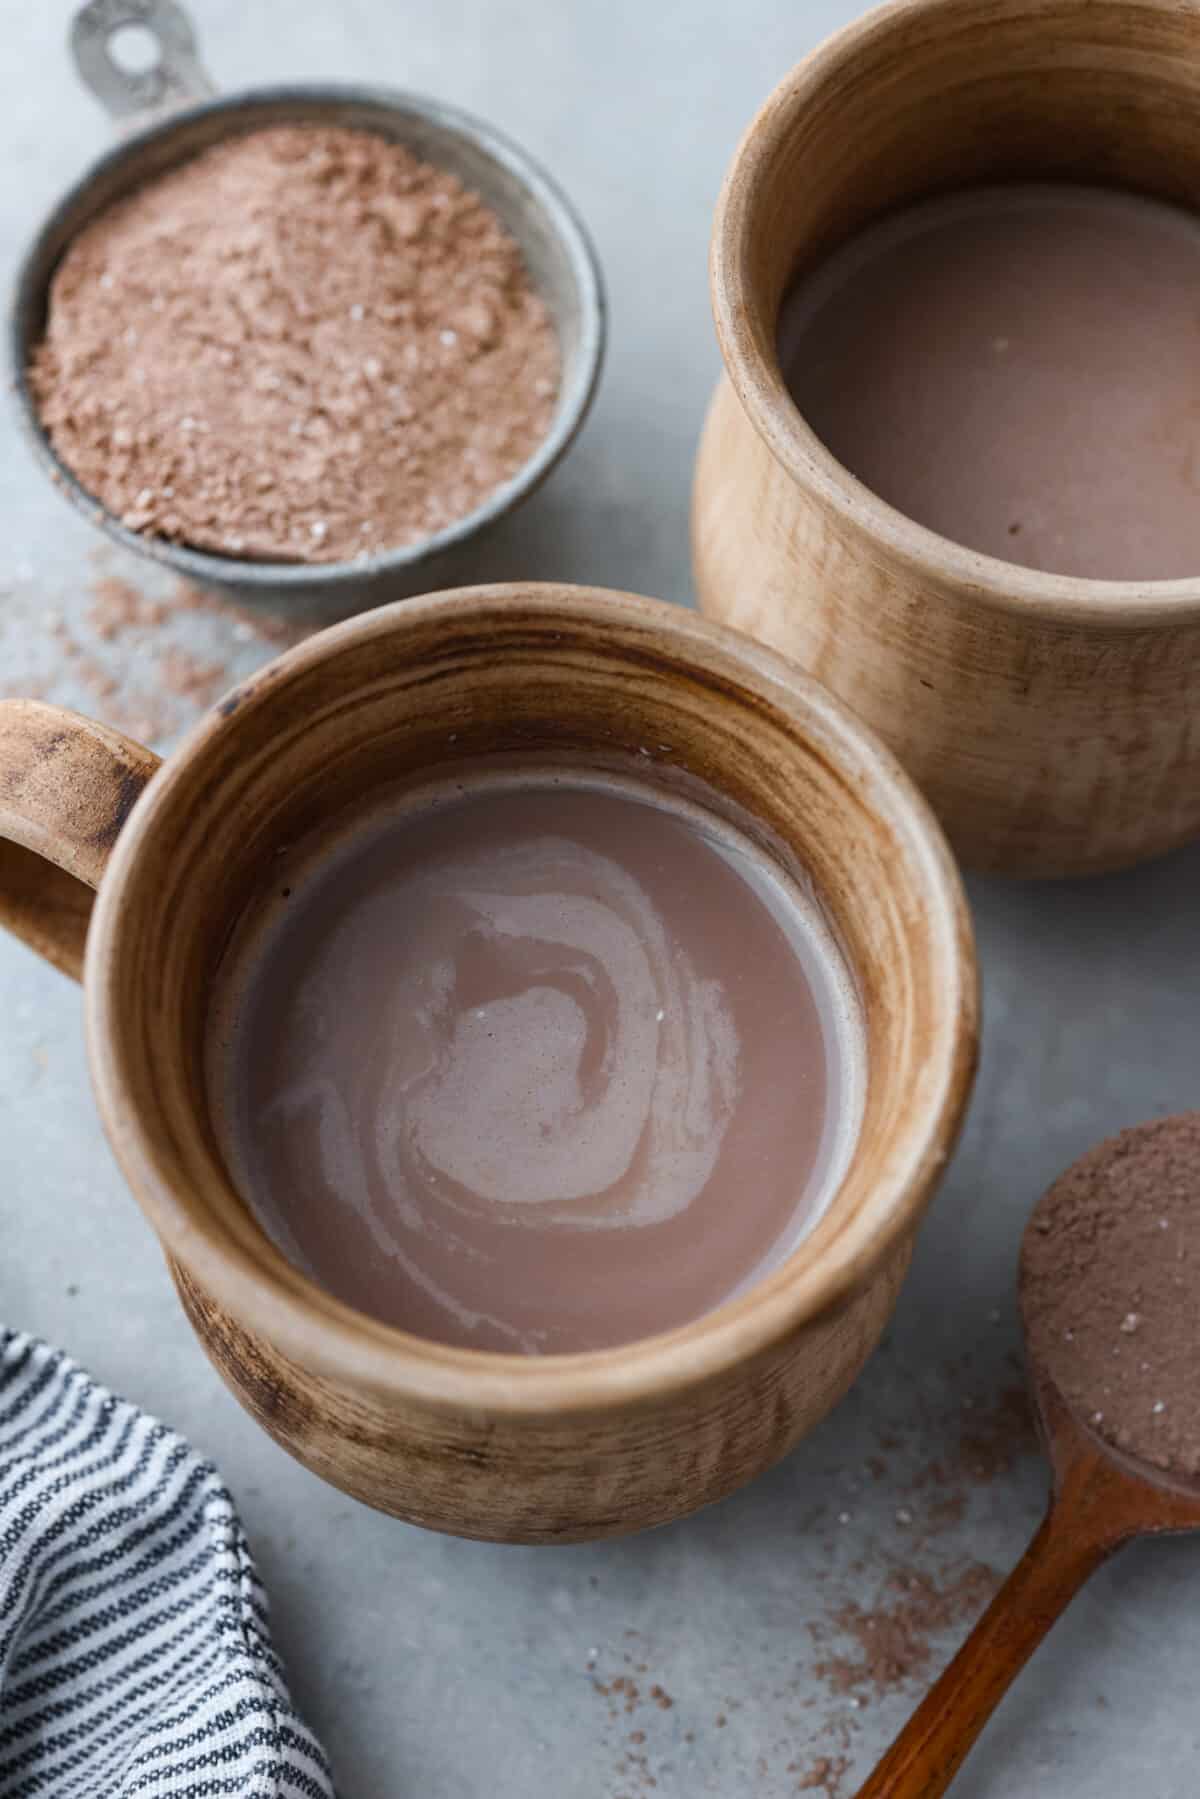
(529, 1448)
(1049, 718)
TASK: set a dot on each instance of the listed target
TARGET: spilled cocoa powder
(990, 1441)
(1110, 1277)
(249, 622)
(118, 606)
(136, 657)
(872, 1648)
(199, 682)
(896, 1637)
(303, 345)
(639, 1751)
(877, 1633)
(825, 1776)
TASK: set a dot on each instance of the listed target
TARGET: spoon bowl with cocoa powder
(302, 341)
(1110, 1298)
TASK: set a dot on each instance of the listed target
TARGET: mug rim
(323, 1334)
(752, 365)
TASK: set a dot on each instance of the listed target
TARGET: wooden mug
(528, 1449)
(1051, 721)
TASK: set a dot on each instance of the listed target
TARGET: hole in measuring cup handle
(134, 49)
(176, 74)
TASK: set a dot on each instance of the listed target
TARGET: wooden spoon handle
(935, 1742)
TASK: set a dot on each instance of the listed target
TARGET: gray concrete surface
(462, 1671)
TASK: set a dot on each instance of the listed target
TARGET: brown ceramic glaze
(514, 1448)
(1049, 719)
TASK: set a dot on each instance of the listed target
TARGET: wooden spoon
(1100, 1499)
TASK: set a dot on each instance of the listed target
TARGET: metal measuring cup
(168, 114)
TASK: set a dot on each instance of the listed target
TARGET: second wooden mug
(1053, 722)
(518, 1448)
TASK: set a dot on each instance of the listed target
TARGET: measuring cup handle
(67, 785)
(177, 78)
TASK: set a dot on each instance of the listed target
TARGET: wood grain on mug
(516, 1448)
(1050, 720)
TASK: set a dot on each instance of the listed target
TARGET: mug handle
(67, 785)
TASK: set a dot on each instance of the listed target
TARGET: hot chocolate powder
(303, 345)
(1110, 1270)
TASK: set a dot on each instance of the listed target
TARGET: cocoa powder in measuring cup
(304, 345)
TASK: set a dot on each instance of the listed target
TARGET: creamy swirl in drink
(536, 1061)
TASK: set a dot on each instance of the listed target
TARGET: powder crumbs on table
(118, 606)
(896, 1638)
(128, 650)
(996, 1438)
(1110, 1275)
(303, 345)
(825, 1776)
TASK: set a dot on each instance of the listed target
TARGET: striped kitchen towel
(135, 1654)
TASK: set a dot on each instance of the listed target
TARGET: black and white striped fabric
(135, 1655)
